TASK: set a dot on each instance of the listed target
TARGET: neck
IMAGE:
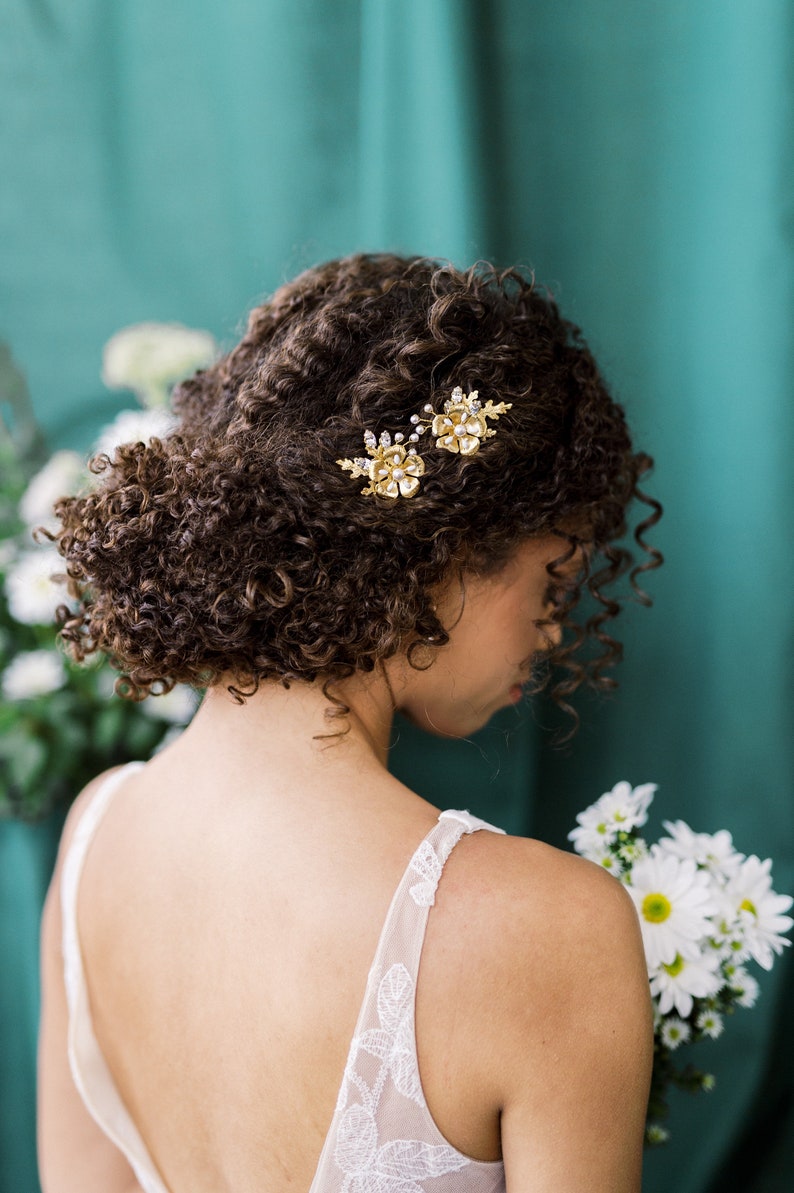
(292, 718)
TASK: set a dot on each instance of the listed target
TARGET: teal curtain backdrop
(177, 161)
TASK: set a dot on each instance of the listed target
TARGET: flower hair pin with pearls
(395, 467)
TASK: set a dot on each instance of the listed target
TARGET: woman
(389, 495)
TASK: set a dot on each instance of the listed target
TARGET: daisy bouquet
(706, 913)
(60, 722)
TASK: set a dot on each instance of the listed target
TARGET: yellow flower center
(656, 908)
(675, 967)
(746, 905)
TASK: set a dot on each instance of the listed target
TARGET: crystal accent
(460, 425)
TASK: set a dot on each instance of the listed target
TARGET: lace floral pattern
(383, 1138)
(399, 1165)
(428, 865)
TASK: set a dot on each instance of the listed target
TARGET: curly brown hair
(237, 547)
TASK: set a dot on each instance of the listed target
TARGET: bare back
(228, 928)
(226, 955)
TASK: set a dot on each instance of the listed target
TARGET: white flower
(674, 900)
(632, 851)
(609, 862)
(59, 477)
(32, 594)
(150, 358)
(397, 1166)
(674, 1032)
(176, 706)
(134, 426)
(760, 910)
(714, 851)
(621, 809)
(745, 987)
(656, 1133)
(33, 673)
(677, 983)
(728, 932)
(710, 1023)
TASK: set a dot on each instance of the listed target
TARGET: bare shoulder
(555, 941)
(528, 900)
(76, 812)
(566, 1043)
(568, 933)
(51, 918)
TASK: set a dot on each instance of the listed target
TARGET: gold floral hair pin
(395, 468)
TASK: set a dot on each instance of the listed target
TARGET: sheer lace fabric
(382, 1138)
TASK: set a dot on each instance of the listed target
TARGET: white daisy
(710, 1023)
(655, 1133)
(760, 910)
(728, 932)
(744, 986)
(135, 426)
(61, 475)
(674, 1032)
(677, 983)
(150, 357)
(32, 594)
(621, 809)
(674, 901)
(33, 673)
(714, 851)
(632, 851)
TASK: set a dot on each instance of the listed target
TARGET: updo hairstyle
(236, 547)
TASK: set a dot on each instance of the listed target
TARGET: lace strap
(406, 920)
(382, 1135)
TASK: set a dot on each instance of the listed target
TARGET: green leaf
(108, 727)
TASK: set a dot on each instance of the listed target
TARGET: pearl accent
(458, 427)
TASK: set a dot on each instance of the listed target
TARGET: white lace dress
(382, 1137)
